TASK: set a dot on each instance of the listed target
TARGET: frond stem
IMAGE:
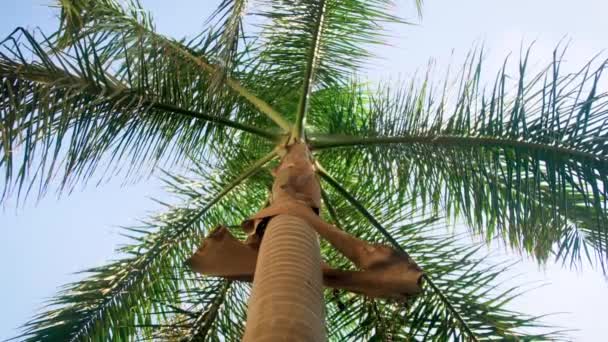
(205, 319)
(226, 122)
(355, 203)
(451, 307)
(311, 65)
(330, 208)
(51, 79)
(326, 142)
(235, 85)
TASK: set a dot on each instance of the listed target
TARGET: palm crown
(523, 159)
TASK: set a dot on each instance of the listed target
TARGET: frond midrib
(309, 73)
(63, 80)
(205, 66)
(320, 142)
(235, 85)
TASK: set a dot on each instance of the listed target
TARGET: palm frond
(212, 310)
(119, 300)
(69, 105)
(119, 23)
(204, 320)
(462, 302)
(312, 62)
(230, 15)
(528, 165)
(308, 44)
(361, 208)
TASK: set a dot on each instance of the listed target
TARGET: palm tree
(282, 144)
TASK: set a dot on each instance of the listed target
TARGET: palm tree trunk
(286, 303)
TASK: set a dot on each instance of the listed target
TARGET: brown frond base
(390, 275)
(223, 255)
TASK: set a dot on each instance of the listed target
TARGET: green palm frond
(323, 39)
(313, 56)
(119, 300)
(461, 300)
(204, 320)
(528, 165)
(69, 105)
(214, 310)
(308, 44)
(230, 15)
(229, 321)
(118, 23)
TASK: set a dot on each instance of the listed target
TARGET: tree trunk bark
(286, 302)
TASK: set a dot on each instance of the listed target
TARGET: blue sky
(45, 242)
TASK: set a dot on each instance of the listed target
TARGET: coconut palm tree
(321, 202)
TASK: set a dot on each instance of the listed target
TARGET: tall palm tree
(282, 144)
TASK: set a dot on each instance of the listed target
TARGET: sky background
(44, 243)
